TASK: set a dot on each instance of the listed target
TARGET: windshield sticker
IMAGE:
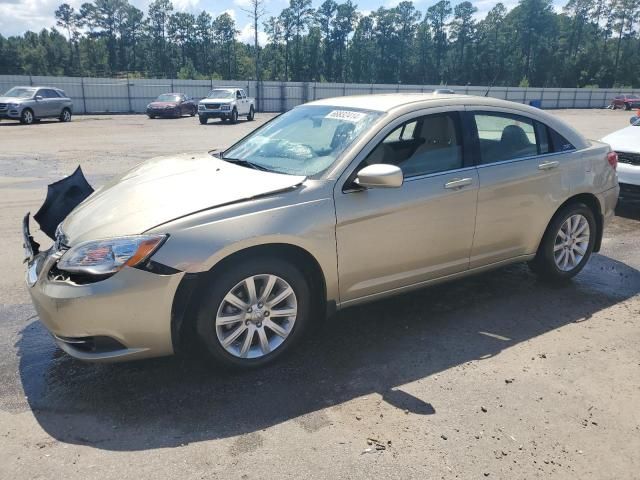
(346, 115)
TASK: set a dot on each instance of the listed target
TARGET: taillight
(612, 158)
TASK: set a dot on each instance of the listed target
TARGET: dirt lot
(495, 376)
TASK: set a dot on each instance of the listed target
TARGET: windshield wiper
(245, 163)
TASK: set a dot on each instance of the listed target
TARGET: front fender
(199, 242)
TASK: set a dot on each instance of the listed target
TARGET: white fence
(108, 95)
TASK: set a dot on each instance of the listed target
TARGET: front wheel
(234, 116)
(203, 119)
(27, 118)
(251, 115)
(567, 244)
(253, 312)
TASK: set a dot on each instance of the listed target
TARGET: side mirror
(634, 120)
(380, 175)
(38, 97)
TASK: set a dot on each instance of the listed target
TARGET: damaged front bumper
(124, 317)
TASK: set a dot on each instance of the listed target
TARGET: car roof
(386, 102)
(401, 103)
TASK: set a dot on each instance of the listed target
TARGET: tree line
(588, 43)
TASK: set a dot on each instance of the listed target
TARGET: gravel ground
(493, 376)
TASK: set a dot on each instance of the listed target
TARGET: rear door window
(504, 136)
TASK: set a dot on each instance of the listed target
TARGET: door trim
(434, 281)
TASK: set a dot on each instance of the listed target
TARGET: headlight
(103, 257)
(200, 106)
(225, 107)
(13, 105)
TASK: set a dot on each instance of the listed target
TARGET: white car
(626, 143)
(226, 103)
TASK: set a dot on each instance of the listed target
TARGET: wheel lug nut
(249, 310)
(259, 325)
(259, 305)
(247, 322)
(266, 314)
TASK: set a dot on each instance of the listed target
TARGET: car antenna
(495, 77)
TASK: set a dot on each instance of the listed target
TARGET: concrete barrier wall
(109, 95)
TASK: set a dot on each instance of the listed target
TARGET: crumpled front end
(123, 317)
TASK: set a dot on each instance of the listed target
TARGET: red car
(627, 101)
(172, 105)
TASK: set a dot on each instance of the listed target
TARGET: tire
(627, 106)
(65, 115)
(251, 115)
(193, 112)
(203, 120)
(152, 117)
(264, 344)
(26, 117)
(550, 263)
(234, 116)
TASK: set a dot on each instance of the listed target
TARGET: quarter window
(505, 137)
(422, 146)
(559, 143)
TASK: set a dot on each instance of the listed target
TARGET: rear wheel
(627, 106)
(251, 115)
(194, 110)
(203, 119)
(27, 117)
(254, 312)
(567, 244)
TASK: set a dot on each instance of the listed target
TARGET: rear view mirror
(380, 175)
(38, 97)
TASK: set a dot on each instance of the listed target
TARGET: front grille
(3, 106)
(212, 106)
(629, 158)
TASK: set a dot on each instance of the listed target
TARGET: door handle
(548, 165)
(458, 183)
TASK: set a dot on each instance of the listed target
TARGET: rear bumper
(124, 317)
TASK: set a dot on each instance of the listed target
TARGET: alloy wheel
(571, 243)
(27, 117)
(256, 316)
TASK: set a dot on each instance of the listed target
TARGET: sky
(18, 16)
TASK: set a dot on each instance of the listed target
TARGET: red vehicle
(172, 105)
(627, 101)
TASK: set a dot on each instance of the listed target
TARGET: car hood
(12, 99)
(163, 104)
(163, 189)
(625, 140)
(217, 100)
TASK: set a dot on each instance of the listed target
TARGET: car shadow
(16, 123)
(372, 349)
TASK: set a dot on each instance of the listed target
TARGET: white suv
(226, 103)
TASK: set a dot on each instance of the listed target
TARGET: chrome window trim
(438, 174)
(521, 159)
